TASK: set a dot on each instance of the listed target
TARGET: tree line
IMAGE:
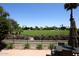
(62, 27)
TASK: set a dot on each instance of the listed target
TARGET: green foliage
(3, 32)
(4, 26)
(42, 28)
(2, 45)
(51, 46)
(27, 46)
(9, 46)
(14, 27)
(1, 9)
(63, 27)
(39, 46)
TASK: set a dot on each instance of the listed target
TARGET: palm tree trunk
(73, 32)
(71, 15)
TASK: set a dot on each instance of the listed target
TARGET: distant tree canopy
(63, 27)
(46, 28)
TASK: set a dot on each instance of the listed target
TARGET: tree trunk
(73, 41)
(71, 15)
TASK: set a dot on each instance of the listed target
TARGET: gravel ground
(27, 52)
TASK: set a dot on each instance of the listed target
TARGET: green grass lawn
(44, 32)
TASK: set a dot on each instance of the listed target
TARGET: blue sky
(40, 14)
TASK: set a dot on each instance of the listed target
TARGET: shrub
(39, 46)
(50, 37)
(2, 45)
(27, 46)
(37, 37)
(9, 46)
(51, 46)
(78, 31)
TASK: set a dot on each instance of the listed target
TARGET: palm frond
(69, 6)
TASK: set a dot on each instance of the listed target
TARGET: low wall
(19, 44)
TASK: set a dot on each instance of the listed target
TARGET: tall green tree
(4, 26)
(73, 30)
(4, 23)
